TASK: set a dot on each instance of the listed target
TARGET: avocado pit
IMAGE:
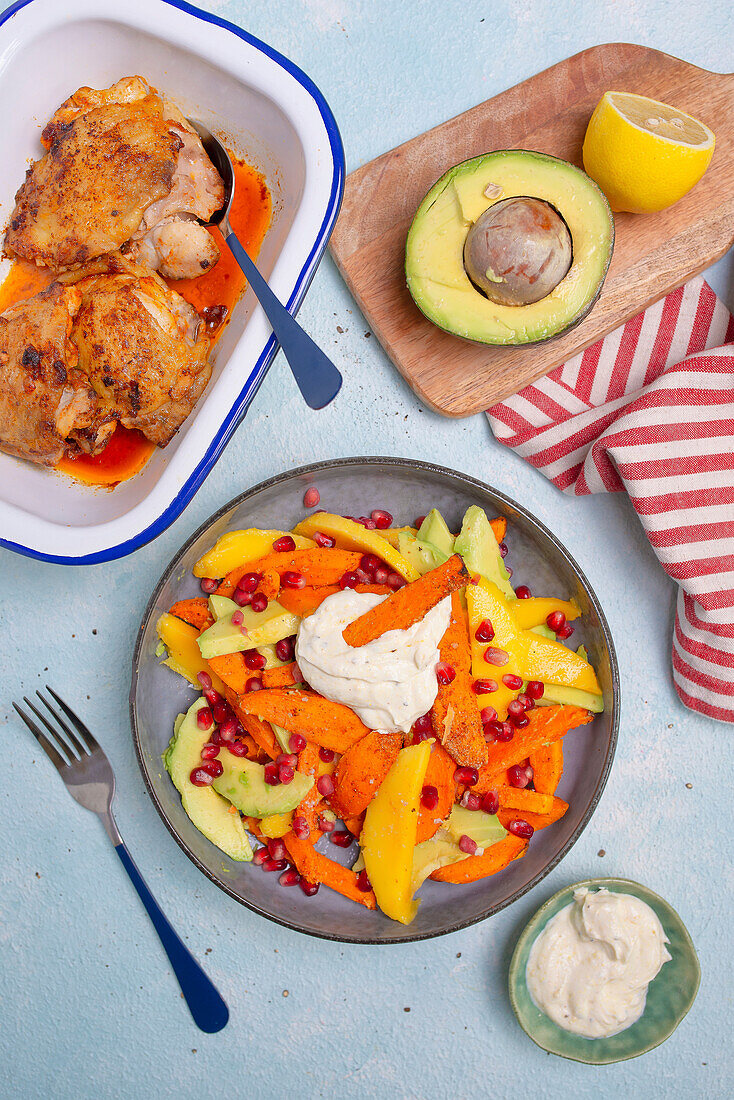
(518, 251)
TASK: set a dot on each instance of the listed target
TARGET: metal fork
(89, 778)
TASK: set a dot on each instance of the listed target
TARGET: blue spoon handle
(318, 379)
(205, 1004)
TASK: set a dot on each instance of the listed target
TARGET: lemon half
(645, 155)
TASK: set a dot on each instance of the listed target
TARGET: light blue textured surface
(90, 1007)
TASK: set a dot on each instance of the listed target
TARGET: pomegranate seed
(220, 710)
(521, 828)
(419, 521)
(297, 674)
(505, 732)
(289, 878)
(254, 684)
(445, 674)
(297, 742)
(215, 738)
(565, 632)
(325, 541)
(241, 598)
(362, 577)
(271, 776)
(229, 728)
(348, 580)
(212, 696)
(488, 714)
(204, 718)
(380, 575)
(311, 497)
(395, 581)
(526, 701)
(276, 847)
(484, 632)
(470, 801)
(519, 721)
(509, 571)
(284, 544)
(309, 888)
(367, 522)
(214, 768)
(249, 582)
(381, 519)
(253, 659)
(209, 751)
(497, 657)
(475, 578)
(287, 758)
(535, 689)
(341, 837)
(325, 785)
(363, 882)
(429, 797)
(292, 579)
(369, 562)
(466, 776)
(286, 773)
(556, 620)
(205, 680)
(512, 681)
(237, 618)
(530, 773)
(523, 592)
(208, 585)
(259, 601)
(301, 827)
(517, 776)
(274, 864)
(491, 802)
(466, 844)
(284, 649)
(503, 549)
(484, 687)
(325, 824)
(327, 755)
(515, 707)
(237, 748)
(423, 724)
(261, 854)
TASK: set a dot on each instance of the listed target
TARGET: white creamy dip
(388, 682)
(590, 967)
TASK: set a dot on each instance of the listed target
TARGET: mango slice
(353, 536)
(181, 641)
(389, 833)
(236, 548)
(534, 612)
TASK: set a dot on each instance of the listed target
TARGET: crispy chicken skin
(47, 407)
(123, 167)
(144, 349)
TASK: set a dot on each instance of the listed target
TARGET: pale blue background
(89, 1004)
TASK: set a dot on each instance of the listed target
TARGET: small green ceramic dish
(669, 996)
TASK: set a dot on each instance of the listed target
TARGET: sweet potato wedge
(538, 821)
(408, 605)
(304, 601)
(329, 725)
(494, 859)
(546, 725)
(499, 527)
(547, 764)
(455, 713)
(361, 770)
(308, 763)
(318, 868)
(439, 774)
(195, 612)
(232, 671)
(279, 677)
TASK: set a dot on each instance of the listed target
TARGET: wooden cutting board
(653, 253)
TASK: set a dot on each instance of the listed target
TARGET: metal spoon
(318, 379)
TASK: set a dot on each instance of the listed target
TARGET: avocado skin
(452, 324)
(478, 547)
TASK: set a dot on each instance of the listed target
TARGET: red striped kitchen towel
(650, 410)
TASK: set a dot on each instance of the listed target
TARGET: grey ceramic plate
(669, 997)
(406, 488)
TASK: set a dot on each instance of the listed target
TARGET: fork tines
(62, 750)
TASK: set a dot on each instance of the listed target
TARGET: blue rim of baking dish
(242, 403)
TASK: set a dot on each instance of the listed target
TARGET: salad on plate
(375, 689)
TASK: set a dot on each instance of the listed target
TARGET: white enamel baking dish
(274, 116)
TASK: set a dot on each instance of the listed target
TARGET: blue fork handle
(205, 1004)
(318, 379)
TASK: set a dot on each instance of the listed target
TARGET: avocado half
(434, 253)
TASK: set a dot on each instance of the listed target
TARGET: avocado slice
(557, 693)
(243, 783)
(209, 812)
(263, 627)
(429, 855)
(434, 529)
(479, 549)
(434, 255)
(424, 556)
(221, 606)
(485, 829)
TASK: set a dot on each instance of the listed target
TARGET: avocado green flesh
(434, 529)
(242, 782)
(478, 547)
(483, 829)
(422, 555)
(221, 606)
(434, 257)
(263, 627)
(208, 811)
